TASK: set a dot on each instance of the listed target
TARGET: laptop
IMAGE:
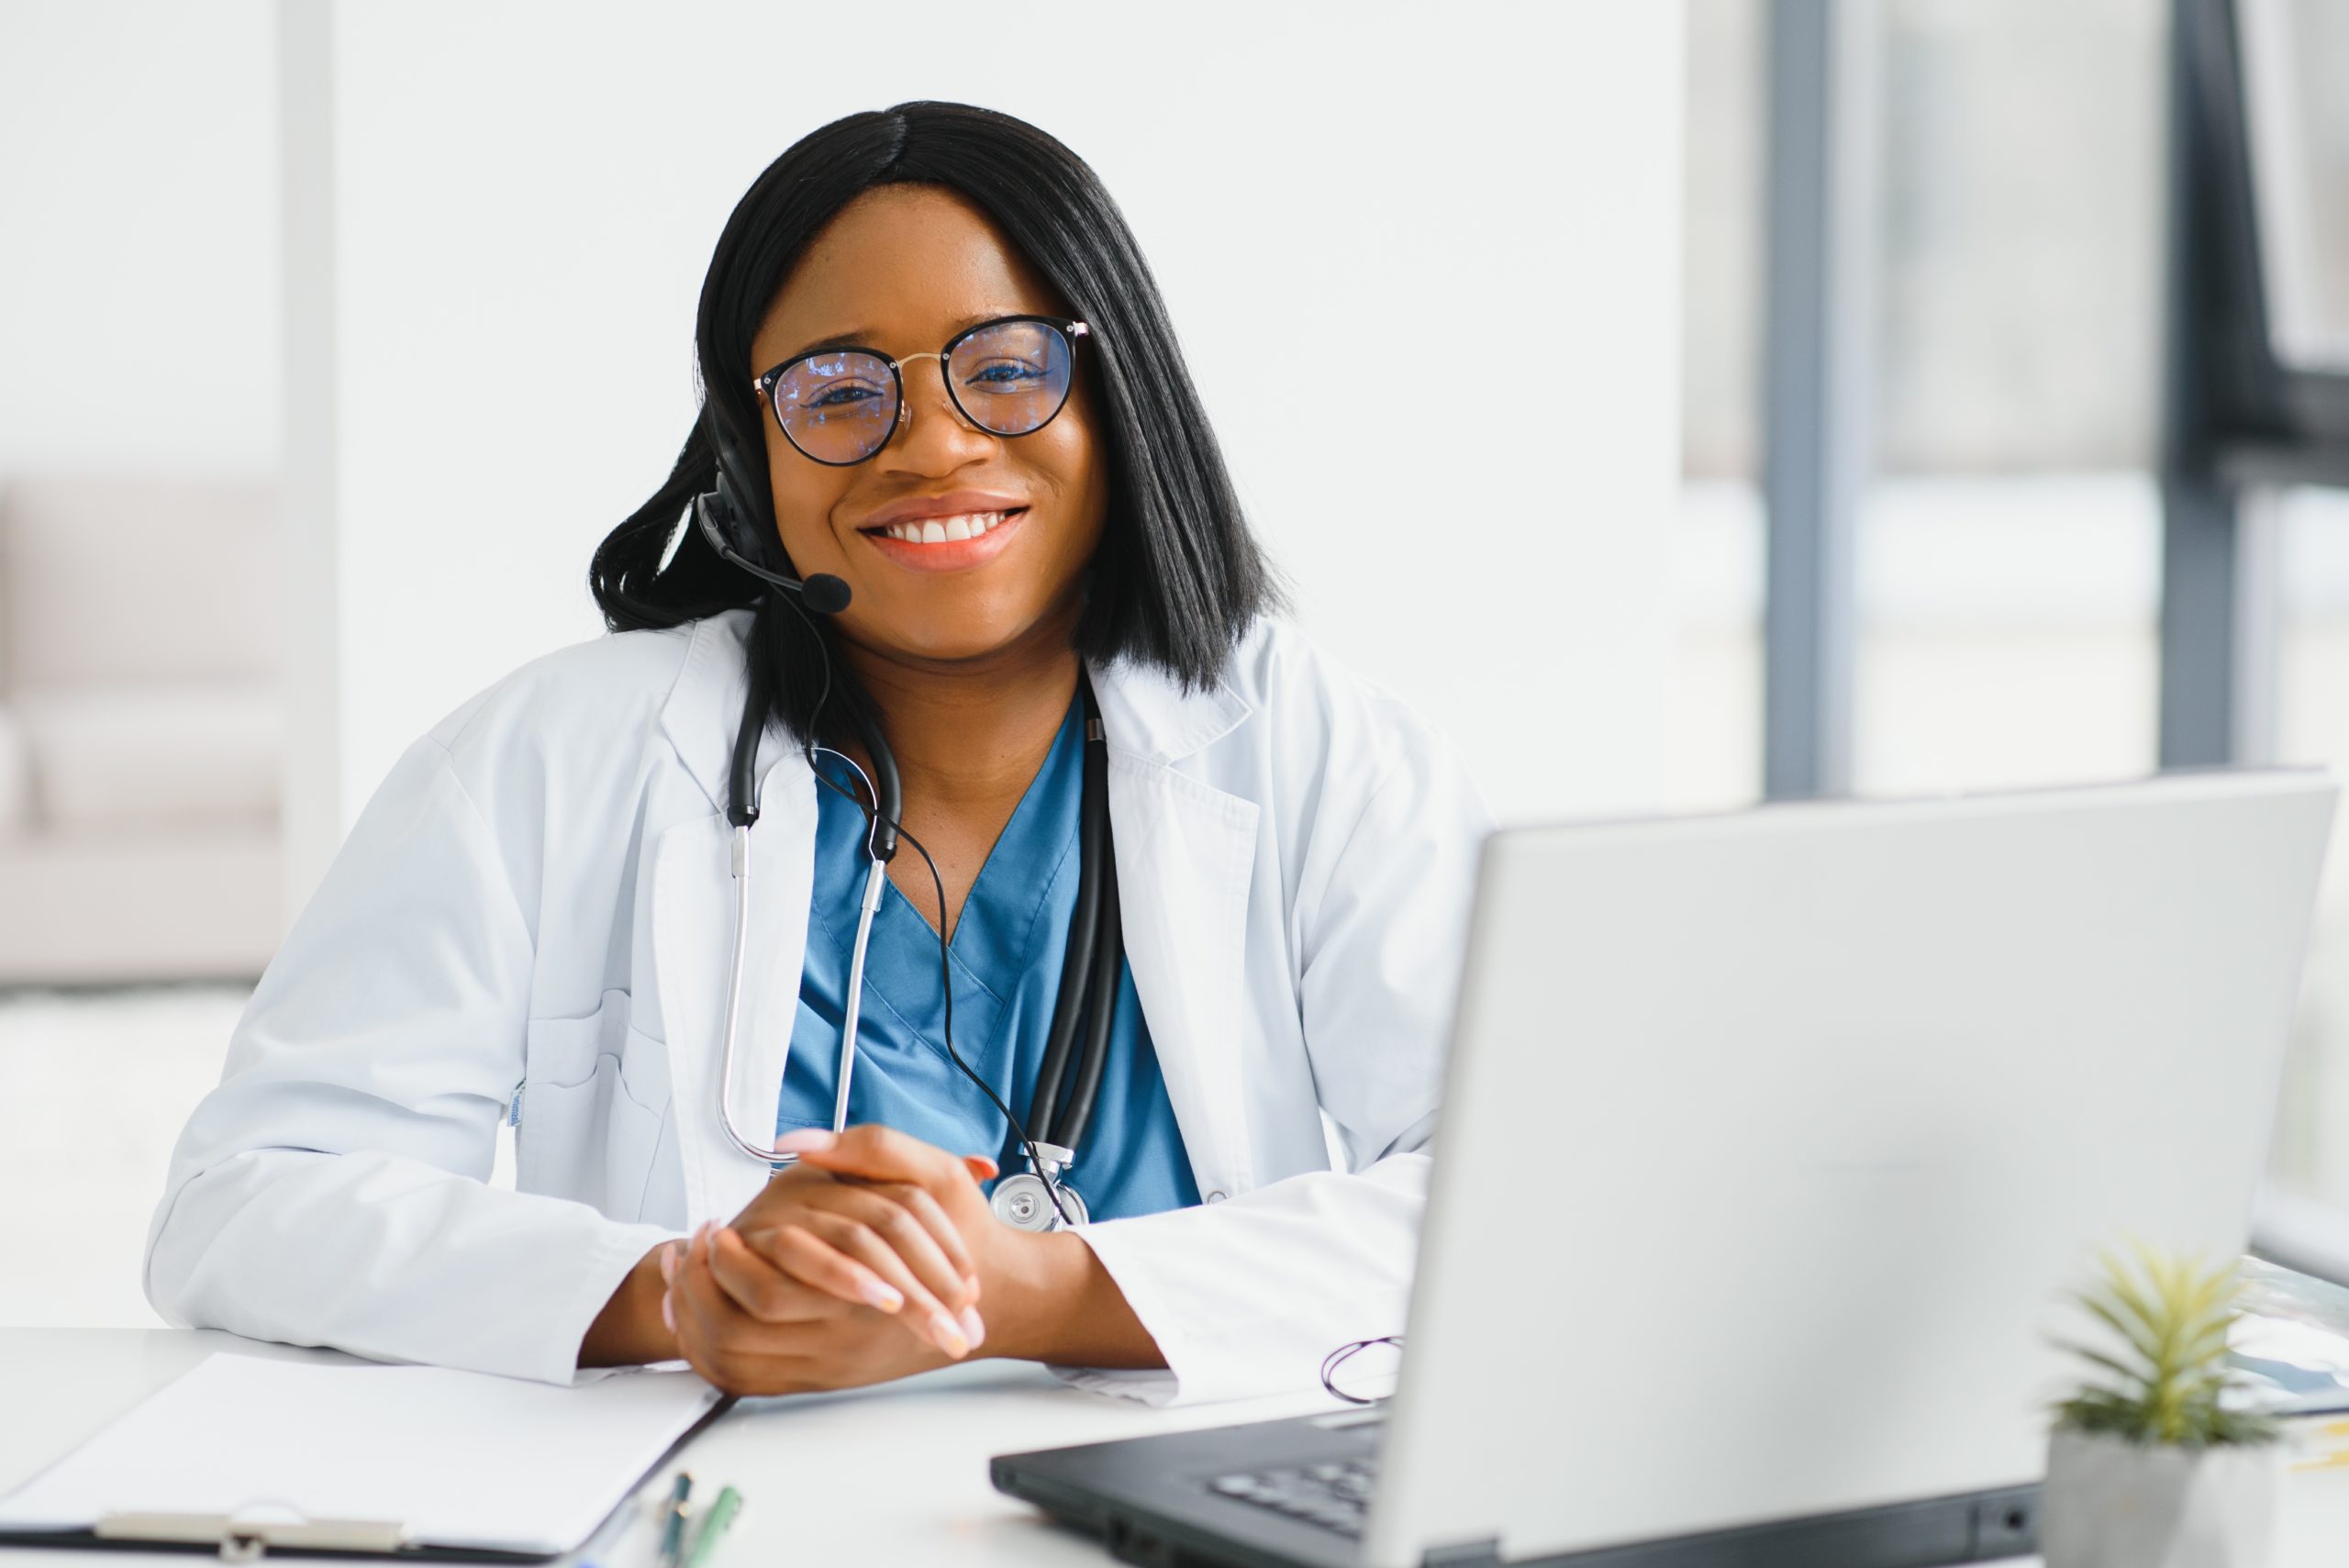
(1771, 1141)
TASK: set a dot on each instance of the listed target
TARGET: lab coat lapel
(1184, 850)
(693, 929)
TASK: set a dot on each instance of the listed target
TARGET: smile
(945, 530)
(949, 541)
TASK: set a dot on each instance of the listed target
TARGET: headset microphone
(822, 593)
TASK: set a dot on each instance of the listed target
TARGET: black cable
(946, 981)
(945, 965)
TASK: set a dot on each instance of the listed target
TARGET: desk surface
(901, 1471)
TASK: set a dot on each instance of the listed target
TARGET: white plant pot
(2110, 1503)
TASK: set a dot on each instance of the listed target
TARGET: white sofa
(141, 730)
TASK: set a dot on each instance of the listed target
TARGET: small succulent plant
(2166, 1379)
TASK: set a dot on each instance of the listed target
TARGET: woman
(951, 497)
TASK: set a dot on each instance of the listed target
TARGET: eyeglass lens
(839, 406)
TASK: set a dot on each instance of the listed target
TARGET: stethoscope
(1038, 1198)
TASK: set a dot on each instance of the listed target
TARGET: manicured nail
(806, 1140)
(879, 1294)
(949, 1335)
(668, 1265)
(974, 1330)
(669, 1312)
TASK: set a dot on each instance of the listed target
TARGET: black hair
(1179, 577)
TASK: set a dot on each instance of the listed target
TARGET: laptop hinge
(1485, 1553)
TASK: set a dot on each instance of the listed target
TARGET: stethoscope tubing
(867, 907)
(1095, 983)
(741, 860)
(871, 902)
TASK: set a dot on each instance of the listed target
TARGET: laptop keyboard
(1335, 1496)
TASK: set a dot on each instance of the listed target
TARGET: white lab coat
(533, 917)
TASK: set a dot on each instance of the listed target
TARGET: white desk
(889, 1476)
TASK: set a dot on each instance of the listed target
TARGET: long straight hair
(1179, 577)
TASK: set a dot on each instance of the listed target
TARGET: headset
(1038, 1198)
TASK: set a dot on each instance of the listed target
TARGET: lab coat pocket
(582, 1134)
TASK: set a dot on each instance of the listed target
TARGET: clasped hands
(874, 1257)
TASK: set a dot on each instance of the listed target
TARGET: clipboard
(244, 1457)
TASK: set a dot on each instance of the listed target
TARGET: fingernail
(880, 1295)
(806, 1140)
(669, 1312)
(973, 1329)
(668, 1265)
(949, 1335)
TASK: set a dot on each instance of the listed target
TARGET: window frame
(2237, 422)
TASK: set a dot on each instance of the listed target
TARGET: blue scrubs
(1006, 956)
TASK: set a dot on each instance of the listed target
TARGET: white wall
(524, 197)
(139, 274)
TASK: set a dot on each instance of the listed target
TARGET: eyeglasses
(1009, 376)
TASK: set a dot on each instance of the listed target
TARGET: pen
(721, 1513)
(673, 1533)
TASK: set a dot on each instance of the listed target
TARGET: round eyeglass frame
(1072, 332)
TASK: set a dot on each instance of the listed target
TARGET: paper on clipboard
(458, 1459)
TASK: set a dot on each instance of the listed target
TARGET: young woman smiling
(936, 369)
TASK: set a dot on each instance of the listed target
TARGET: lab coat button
(1215, 1196)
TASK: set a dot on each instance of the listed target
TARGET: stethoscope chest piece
(1023, 1201)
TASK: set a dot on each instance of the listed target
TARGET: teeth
(940, 530)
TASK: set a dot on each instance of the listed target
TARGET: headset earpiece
(724, 517)
(731, 531)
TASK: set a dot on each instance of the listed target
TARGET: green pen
(721, 1513)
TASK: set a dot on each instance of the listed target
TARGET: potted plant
(2156, 1461)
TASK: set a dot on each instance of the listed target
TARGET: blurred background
(1915, 395)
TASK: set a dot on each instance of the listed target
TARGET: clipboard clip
(244, 1537)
